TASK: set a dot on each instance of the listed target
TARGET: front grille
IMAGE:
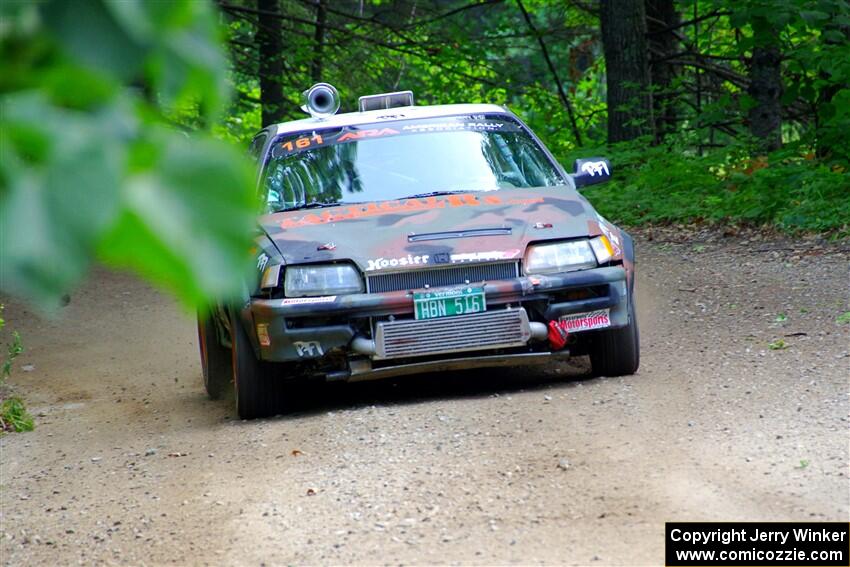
(480, 331)
(439, 277)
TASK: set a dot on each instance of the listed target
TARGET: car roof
(372, 116)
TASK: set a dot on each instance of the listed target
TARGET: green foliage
(662, 184)
(483, 54)
(91, 169)
(14, 416)
(13, 413)
(843, 319)
(13, 349)
(449, 52)
(814, 39)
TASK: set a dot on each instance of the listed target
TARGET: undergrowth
(789, 189)
(14, 416)
(13, 412)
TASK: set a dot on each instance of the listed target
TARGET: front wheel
(215, 359)
(257, 394)
(617, 352)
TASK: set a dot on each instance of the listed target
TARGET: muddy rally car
(405, 239)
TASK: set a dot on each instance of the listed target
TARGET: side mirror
(591, 171)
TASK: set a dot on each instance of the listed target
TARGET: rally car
(403, 239)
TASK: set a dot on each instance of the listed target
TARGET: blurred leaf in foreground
(89, 167)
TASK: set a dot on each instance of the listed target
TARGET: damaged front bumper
(355, 328)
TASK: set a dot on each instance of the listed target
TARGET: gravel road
(131, 464)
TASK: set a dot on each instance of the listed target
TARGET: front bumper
(310, 330)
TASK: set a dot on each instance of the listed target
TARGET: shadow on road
(313, 398)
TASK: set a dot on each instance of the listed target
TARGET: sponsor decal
(295, 143)
(440, 258)
(406, 205)
(373, 133)
(454, 126)
(262, 260)
(585, 321)
(409, 260)
(308, 349)
(485, 256)
(309, 300)
(593, 168)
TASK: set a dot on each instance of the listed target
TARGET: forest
(711, 110)
(734, 113)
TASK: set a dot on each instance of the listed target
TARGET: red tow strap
(558, 334)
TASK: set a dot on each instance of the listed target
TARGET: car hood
(446, 229)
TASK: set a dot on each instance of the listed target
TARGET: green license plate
(449, 302)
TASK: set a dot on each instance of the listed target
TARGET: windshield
(398, 159)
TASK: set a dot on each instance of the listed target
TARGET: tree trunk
(627, 64)
(765, 88)
(316, 65)
(660, 16)
(270, 47)
(824, 104)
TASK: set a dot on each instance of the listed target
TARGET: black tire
(215, 359)
(257, 393)
(617, 352)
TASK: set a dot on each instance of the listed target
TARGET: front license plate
(449, 302)
(586, 321)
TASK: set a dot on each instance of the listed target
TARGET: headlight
(328, 279)
(567, 256)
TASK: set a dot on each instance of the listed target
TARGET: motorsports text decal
(406, 205)
(308, 300)
(586, 321)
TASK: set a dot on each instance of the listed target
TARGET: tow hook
(558, 335)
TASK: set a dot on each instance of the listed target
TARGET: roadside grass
(14, 416)
(13, 412)
(789, 189)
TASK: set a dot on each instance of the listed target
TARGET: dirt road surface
(131, 464)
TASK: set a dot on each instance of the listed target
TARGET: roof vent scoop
(386, 100)
(321, 100)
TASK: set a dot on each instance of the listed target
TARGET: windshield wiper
(438, 193)
(313, 205)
